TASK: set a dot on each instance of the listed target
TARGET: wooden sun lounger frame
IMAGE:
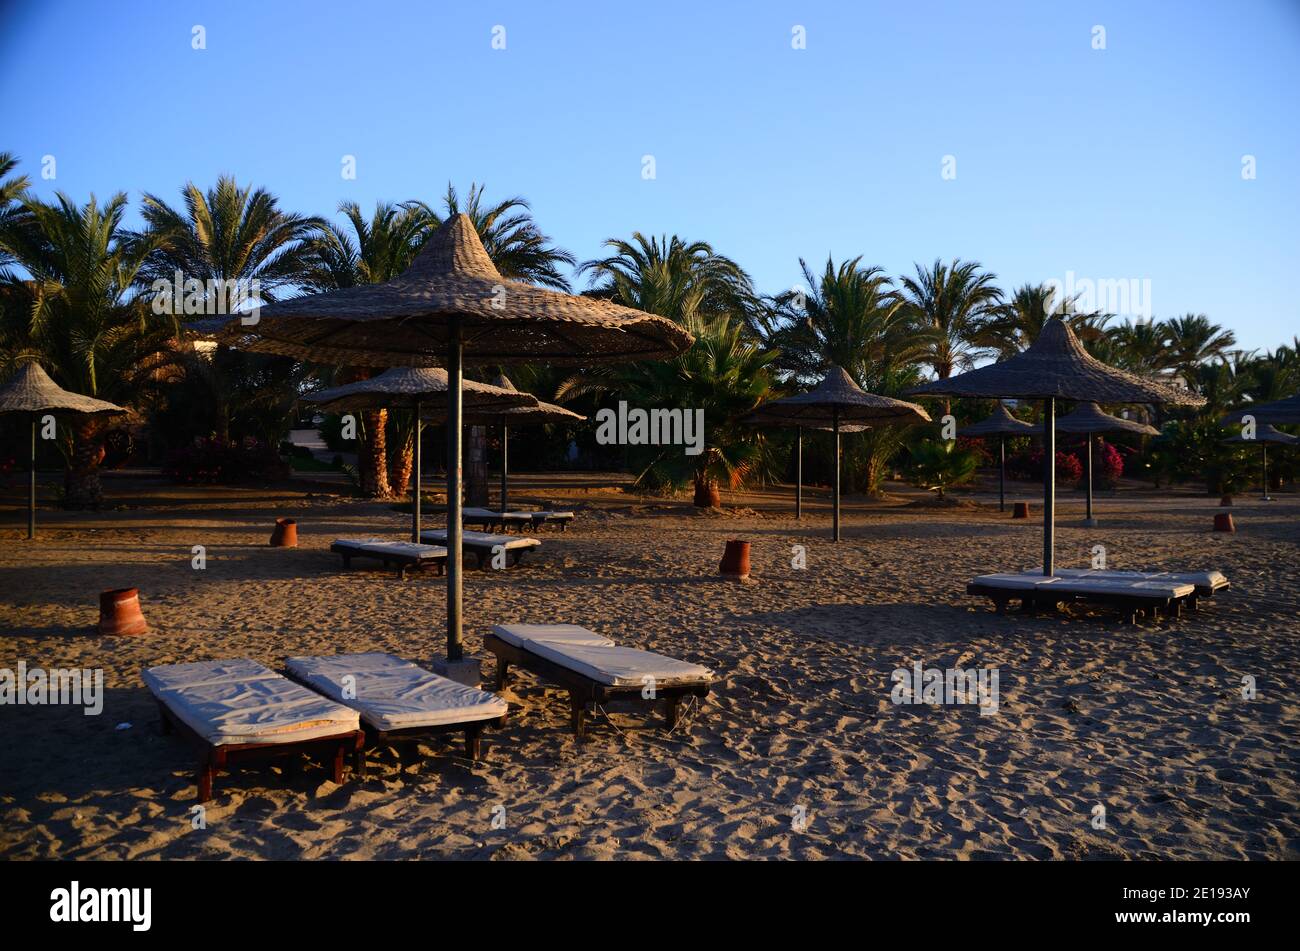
(373, 736)
(216, 756)
(405, 563)
(484, 552)
(584, 690)
(1133, 606)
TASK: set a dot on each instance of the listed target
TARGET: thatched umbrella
(1264, 434)
(536, 415)
(31, 391)
(423, 391)
(1001, 424)
(1088, 419)
(756, 418)
(837, 399)
(1284, 412)
(1055, 366)
(450, 307)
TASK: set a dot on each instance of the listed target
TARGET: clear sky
(1119, 163)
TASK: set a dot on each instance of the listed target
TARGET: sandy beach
(1148, 720)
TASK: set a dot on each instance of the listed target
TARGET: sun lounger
(490, 519)
(399, 701)
(1135, 597)
(1207, 583)
(240, 710)
(405, 555)
(484, 545)
(593, 668)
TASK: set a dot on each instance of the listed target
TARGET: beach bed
(490, 519)
(238, 710)
(593, 669)
(405, 555)
(399, 701)
(483, 545)
(1135, 598)
(1207, 583)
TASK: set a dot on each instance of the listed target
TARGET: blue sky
(1122, 163)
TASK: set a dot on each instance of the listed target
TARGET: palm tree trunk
(373, 456)
(476, 467)
(399, 467)
(81, 483)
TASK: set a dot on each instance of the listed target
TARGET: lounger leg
(359, 761)
(401, 573)
(213, 759)
(472, 736)
(164, 722)
(347, 561)
(339, 751)
(673, 701)
(577, 715)
(503, 668)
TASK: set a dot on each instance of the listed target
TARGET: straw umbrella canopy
(1001, 424)
(449, 308)
(536, 415)
(1088, 419)
(836, 400)
(423, 391)
(756, 418)
(1055, 366)
(1283, 412)
(31, 391)
(1264, 434)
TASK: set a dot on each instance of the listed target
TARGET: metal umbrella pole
(798, 473)
(835, 535)
(415, 461)
(505, 463)
(455, 415)
(1049, 483)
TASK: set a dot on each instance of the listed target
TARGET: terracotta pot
(707, 495)
(735, 560)
(119, 613)
(285, 534)
(1223, 522)
(1021, 510)
(1225, 501)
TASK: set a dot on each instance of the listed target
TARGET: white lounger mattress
(386, 546)
(232, 702)
(1214, 580)
(588, 653)
(480, 539)
(1087, 585)
(477, 513)
(395, 694)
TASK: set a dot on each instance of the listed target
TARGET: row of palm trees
(74, 294)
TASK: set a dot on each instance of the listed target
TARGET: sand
(1148, 721)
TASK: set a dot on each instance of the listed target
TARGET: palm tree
(13, 214)
(955, 300)
(671, 277)
(1019, 320)
(373, 251)
(1140, 346)
(853, 318)
(726, 374)
(82, 314)
(1193, 340)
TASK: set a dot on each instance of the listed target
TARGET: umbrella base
(467, 670)
(1090, 522)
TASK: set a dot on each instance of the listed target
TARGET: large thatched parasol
(836, 400)
(1001, 424)
(1283, 412)
(536, 415)
(1055, 367)
(450, 307)
(423, 391)
(1088, 419)
(31, 391)
(1264, 434)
